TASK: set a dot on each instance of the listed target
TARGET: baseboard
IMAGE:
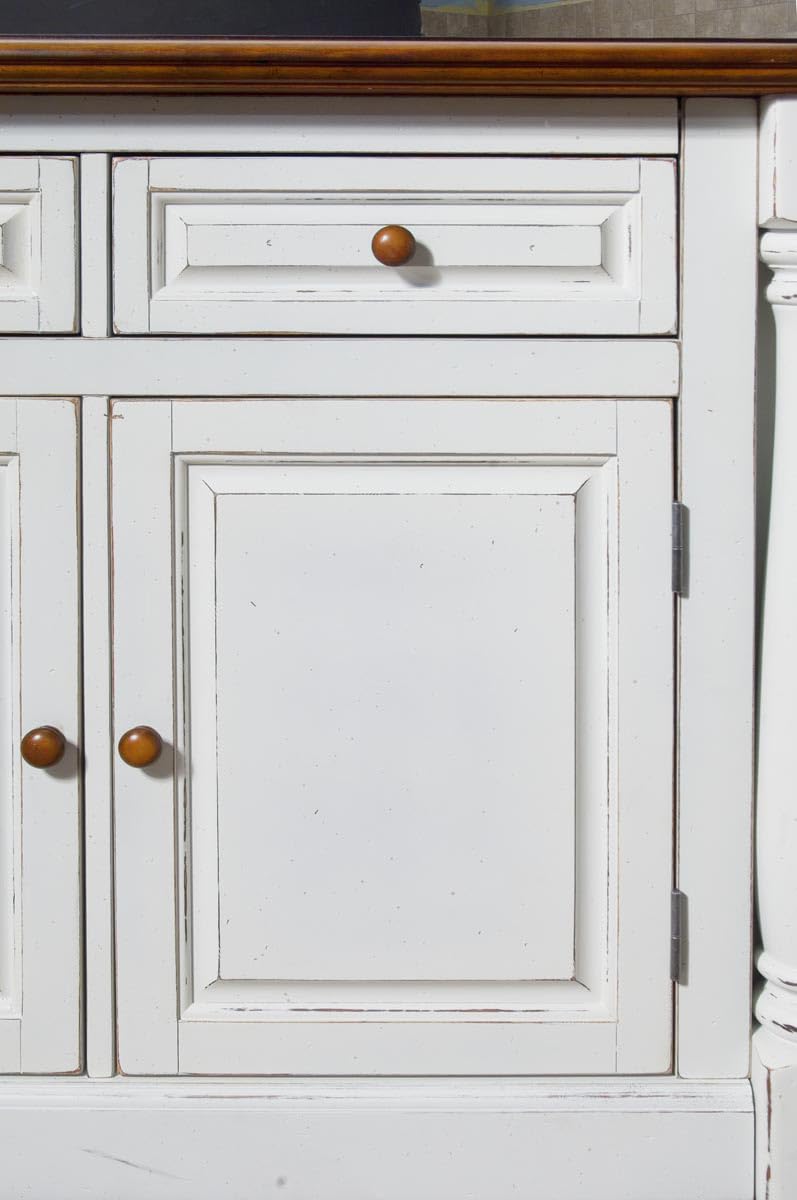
(409, 1139)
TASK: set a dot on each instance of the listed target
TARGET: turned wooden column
(776, 1008)
(774, 1059)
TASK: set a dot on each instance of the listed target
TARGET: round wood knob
(43, 747)
(140, 747)
(393, 245)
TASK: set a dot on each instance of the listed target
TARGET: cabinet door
(412, 663)
(39, 806)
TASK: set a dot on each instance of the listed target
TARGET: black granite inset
(208, 18)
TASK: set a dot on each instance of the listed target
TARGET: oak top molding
(258, 66)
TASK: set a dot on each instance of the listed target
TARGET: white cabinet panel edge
(717, 446)
(97, 743)
(556, 367)
(602, 1140)
(307, 125)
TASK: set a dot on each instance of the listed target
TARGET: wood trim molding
(402, 67)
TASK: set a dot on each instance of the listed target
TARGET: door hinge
(680, 548)
(678, 937)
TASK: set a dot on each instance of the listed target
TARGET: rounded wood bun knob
(393, 245)
(140, 747)
(43, 747)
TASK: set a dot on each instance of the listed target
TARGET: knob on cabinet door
(140, 746)
(393, 245)
(43, 746)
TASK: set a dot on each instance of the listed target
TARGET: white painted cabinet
(398, 625)
(420, 722)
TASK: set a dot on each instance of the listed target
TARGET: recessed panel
(395, 720)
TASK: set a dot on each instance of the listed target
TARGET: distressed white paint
(39, 809)
(545, 246)
(777, 179)
(95, 245)
(341, 366)
(97, 743)
(717, 455)
(777, 839)
(485, 125)
(38, 246)
(775, 1043)
(584, 1140)
(775, 1090)
(486, 1139)
(326, 695)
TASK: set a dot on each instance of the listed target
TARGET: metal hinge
(678, 937)
(680, 548)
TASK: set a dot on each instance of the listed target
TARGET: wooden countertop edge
(258, 66)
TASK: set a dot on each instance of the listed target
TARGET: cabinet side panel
(716, 617)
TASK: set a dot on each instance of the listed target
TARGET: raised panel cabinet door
(411, 666)
(40, 958)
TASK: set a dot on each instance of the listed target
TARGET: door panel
(39, 808)
(401, 776)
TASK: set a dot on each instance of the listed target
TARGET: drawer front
(503, 245)
(38, 245)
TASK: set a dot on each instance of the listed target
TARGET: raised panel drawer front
(495, 245)
(39, 697)
(414, 684)
(38, 245)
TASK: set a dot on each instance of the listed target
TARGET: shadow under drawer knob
(393, 245)
(140, 747)
(43, 747)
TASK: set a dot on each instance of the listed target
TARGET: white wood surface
(95, 245)
(775, 1042)
(601, 367)
(283, 244)
(41, 883)
(97, 741)
(777, 179)
(38, 259)
(236, 1015)
(774, 1079)
(144, 801)
(484, 1139)
(776, 845)
(715, 719)
(339, 125)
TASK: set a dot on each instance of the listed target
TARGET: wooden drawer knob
(140, 747)
(393, 245)
(43, 747)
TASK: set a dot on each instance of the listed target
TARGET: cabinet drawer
(38, 255)
(503, 245)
